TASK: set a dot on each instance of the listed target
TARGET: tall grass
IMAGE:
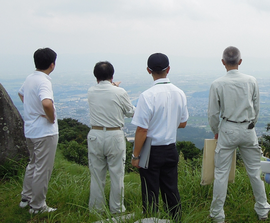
(69, 192)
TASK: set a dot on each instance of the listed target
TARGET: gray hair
(231, 55)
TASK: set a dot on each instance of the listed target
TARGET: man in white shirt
(41, 131)
(160, 111)
(108, 105)
(235, 99)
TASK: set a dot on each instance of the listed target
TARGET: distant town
(71, 97)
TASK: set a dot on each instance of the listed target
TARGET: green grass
(69, 192)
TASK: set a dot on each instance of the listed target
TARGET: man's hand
(116, 83)
(216, 136)
(182, 125)
(140, 136)
(135, 163)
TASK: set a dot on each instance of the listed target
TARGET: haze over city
(192, 33)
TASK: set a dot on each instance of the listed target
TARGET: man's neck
(228, 68)
(44, 71)
(157, 76)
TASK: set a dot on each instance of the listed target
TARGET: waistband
(105, 128)
(164, 146)
(234, 121)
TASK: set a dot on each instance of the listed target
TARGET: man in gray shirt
(232, 113)
(106, 141)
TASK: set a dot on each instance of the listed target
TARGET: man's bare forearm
(49, 110)
(21, 97)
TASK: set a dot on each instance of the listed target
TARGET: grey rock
(12, 140)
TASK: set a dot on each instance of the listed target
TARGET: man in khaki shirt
(108, 105)
(232, 113)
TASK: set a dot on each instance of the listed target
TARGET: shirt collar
(161, 80)
(104, 82)
(42, 73)
(234, 71)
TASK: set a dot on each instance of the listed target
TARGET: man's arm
(140, 137)
(182, 125)
(213, 109)
(48, 109)
(21, 97)
(256, 101)
(128, 108)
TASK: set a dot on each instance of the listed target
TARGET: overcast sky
(132, 30)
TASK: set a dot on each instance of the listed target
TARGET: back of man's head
(43, 58)
(103, 71)
(231, 56)
(158, 63)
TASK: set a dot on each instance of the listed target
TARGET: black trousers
(161, 174)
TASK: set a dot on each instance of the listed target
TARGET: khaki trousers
(39, 169)
(107, 150)
(231, 136)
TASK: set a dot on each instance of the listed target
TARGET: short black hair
(44, 57)
(103, 70)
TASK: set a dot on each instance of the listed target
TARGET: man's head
(158, 63)
(43, 58)
(103, 71)
(231, 56)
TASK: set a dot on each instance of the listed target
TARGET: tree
(188, 149)
(76, 152)
(71, 129)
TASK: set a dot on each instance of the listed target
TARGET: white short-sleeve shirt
(36, 88)
(161, 109)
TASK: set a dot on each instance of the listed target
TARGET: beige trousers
(39, 169)
(107, 150)
(231, 136)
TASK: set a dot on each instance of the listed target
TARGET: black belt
(234, 121)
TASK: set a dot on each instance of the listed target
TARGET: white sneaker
(44, 209)
(24, 203)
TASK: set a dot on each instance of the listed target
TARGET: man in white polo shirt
(160, 111)
(41, 131)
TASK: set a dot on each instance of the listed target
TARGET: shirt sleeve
(213, 109)
(21, 90)
(129, 109)
(256, 101)
(185, 114)
(45, 91)
(142, 114)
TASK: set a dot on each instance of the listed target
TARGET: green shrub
(75, 152)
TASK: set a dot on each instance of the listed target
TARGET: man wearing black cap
(161, 110)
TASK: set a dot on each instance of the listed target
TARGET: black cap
(158, 62)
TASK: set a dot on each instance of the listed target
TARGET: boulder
(12, 140)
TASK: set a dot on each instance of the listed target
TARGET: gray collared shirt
(234, 96)
(108, 105)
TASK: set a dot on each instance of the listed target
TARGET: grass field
(69, 192)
